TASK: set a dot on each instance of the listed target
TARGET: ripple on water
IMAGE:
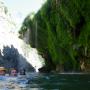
(10, 83)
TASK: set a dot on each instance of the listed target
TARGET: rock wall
(63, 28)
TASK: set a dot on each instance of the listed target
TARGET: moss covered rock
(61, 29)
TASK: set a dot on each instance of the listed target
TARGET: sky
(21, 8)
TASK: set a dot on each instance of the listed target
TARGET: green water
(60, 82)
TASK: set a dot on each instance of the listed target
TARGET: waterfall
(32, 56)
(26, 36)
(9, 36)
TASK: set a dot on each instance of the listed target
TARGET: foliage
(9, 57)
(63, 30)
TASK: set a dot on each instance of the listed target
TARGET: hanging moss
(63, 29)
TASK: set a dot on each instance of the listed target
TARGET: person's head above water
(2, 71)
(22, 72)
(13, 72)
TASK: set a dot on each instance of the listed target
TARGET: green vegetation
(63, 34)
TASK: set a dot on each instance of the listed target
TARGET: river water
(39, 81)
(61, 82)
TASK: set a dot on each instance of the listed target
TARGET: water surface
(63, 81)
(60, 82)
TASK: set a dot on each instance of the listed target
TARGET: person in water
(22, 72)
(2, 71)
(13, 72)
